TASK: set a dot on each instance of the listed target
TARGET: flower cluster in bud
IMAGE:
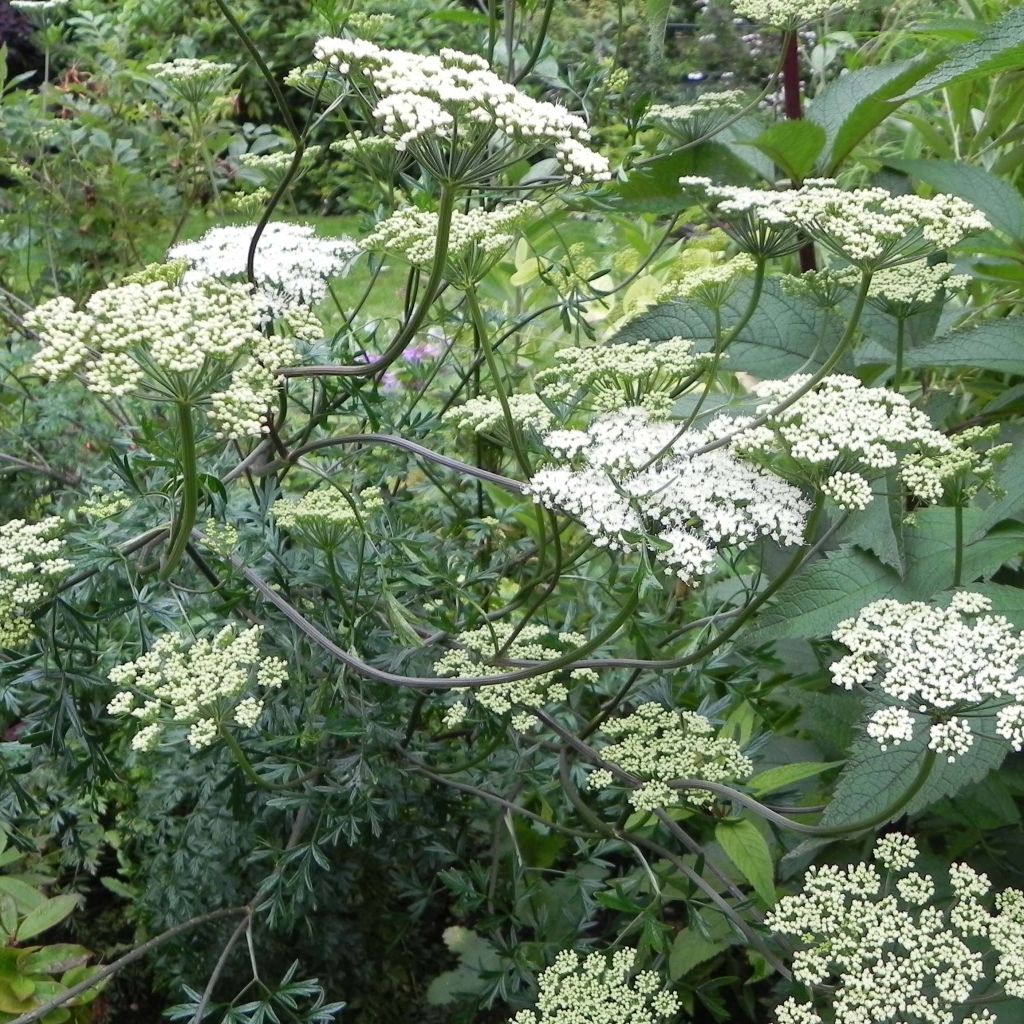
(479, 648)
(885, 953)
(907, 289)
(476, 239)
(659, 745)
(631, 482)
(849, 434)
(453, 112)
(168, 344)
(193, 80)
(30, 561)
(789, 13)
(195, 683)
(485, 415)
(930, 663)
(712, 284)
(599, 990)
(325, 517)
(643, 373)
(868, 227)
(103, 504)
(705, 115)
(292, 265)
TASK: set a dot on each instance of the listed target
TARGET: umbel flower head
(198, 345)
(608, 377)
(457, 117)
(847, 434)
(201, 684)
(484, 415)
(789, 13)
(477, 239)
(475, 654)
(868, 227)
(629, 480)
(30, 562)
(599, 989)
(293, 263)
(934, 666)
(886, 953)
(193, 80)
(659, 745)
(325, 517)
(703, 117)
(909, 288)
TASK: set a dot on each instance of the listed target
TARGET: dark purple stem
(794, 112)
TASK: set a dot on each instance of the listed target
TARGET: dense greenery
(570, 501)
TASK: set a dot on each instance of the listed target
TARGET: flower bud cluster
(931, 663)
(706, 114)
(198, 683)
(907, 289)
(789, 13)
(168, 344)
(475, 655)
(292, 266)
(609, 377)
(599, 990)
(712, 284)
(885, 953)
(659, 745)
(193, 80)
(868, 227)
(476, 239)
(851, 433)
(485, 415)
(630, 481)
(30, 561)
(454, 99)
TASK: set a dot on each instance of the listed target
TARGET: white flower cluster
(712, 284)
(933, 662)
(705, 115)
(40, 6)
(684, 506)
(166, 343)
(485, 415)
(885, 953)
(908, 288)
(455, 98)
(325, 517)
(476, 239)
(608, 377)
(868, 227)
(197, 683)
(658, 745)
(103, 504)
(789, 13)
(852, 433)
(599, 990)
(292, 266)
(193, 80)
(30, 561)
(475, 655)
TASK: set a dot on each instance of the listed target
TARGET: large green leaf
(656, 12)
(747, 849)
(1001, 48)
(793, 145)
(997, 199)
(786, 333)
(879, 527)
(856, 103)
(47, 914)
(1010, 479)
(992, 345)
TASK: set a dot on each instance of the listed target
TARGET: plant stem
(958, 551)
(793, 106)
(185, 517)
(897, 373)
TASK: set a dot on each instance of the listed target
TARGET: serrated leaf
(744, 845)
(857, 102)
(47, 914)
(793, 145)
(785, 775)
(997, 199)
(879, 527)
(786, 334)
(991, 345)
(656, 12)
(689, 950)
(874, 778)
(1001, 48)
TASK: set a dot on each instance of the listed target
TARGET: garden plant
(512, 511)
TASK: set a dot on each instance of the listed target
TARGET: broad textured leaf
(857, 102)
(690, 949)
(879, 527)
(1001, 48)
(747, 849)
(793, 145)
(873, 779)
(54, 959)
(47, 914)
(24, 896)
(1010, 479)
(993, 345)
(786, 333)
(656, 13)
(997, 199)
(814, 602)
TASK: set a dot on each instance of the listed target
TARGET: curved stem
(185, 517)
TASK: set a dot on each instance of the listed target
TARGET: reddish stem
(794, 112)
